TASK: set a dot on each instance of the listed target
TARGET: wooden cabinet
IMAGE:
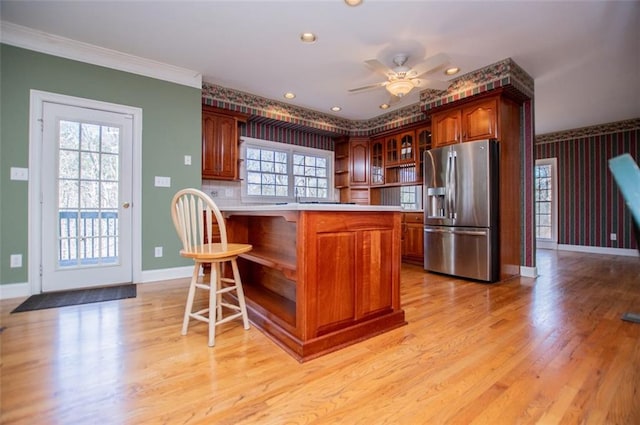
(391, 149)
(446, 127)
(359, 161)
(407, 146)
(479, 120)
(496, 115)
(423, 139)
(474, 121)
(413, 237)
(220, 143)
(377, 161)
(316, 281)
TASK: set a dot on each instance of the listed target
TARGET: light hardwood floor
(550, 350)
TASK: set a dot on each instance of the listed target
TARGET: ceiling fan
(402, 79)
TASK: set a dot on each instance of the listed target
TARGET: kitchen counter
(320, 276)
(308, 206)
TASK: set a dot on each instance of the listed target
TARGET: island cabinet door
(351, 272)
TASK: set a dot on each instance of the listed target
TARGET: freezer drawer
(461, 251)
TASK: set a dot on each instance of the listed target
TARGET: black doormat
(75, 297)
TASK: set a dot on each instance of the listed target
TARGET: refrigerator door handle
(457, 232)
(470, 232)
(437, 230)
(454, 184)
(448, 186)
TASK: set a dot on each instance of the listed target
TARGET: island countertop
(309, 206)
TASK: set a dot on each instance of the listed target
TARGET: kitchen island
(320, 276)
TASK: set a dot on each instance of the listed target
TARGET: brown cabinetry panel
(413, 238)
(316, 281)
(219, 144)
(476, 120)
(359, 159)
(377, 161)
(335, 302)
(446, 127)
(479, 120)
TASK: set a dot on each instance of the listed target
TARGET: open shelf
(270, 259)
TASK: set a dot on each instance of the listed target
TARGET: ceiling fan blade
(430, 64)
(369, 87)
(379, 67)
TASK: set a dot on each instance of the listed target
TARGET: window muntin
(278, 172)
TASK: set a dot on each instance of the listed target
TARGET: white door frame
(37, 99)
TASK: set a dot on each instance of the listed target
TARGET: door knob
(125, 205)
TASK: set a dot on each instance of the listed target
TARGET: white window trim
(290, 149)
(551, 243)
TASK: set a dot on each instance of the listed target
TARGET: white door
(86, 197)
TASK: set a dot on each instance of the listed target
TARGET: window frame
(552, 242)
(290, 150)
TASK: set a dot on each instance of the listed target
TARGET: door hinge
(41, 121)
(40, 270)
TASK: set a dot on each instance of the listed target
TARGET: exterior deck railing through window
(87, 238)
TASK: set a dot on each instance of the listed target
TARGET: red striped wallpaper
(590, 206)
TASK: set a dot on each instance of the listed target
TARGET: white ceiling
(583, 55)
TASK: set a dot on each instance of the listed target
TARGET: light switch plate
(187, 160)
(15, 260)
(161, 181)
(18, 173)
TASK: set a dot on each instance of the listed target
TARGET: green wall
(171, 129)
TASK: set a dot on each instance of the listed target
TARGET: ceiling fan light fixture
(400, 87)
(353, 2)
(336, 108)
(289, 95)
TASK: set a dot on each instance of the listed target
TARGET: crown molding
(28, 38)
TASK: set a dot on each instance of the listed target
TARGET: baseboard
(18, 290)
(599, 250)
(546, 245)
(14, 290)
(165, 274)
(528, 271)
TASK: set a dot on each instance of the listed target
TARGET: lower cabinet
(317, 281)
(413, 238)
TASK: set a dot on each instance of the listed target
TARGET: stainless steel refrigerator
(461, 189)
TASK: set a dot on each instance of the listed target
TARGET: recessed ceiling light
(308, 37)
(384, 106)
(336, 108)
(452, 71)
(353, 2)
(289, 95)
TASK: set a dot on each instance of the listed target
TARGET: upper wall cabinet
(474, 121)
(377, 161)
(220, 143)
(359, 159)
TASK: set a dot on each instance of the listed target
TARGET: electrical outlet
(214, 193)
(16, 260)
(158, 251)
(613, 237)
